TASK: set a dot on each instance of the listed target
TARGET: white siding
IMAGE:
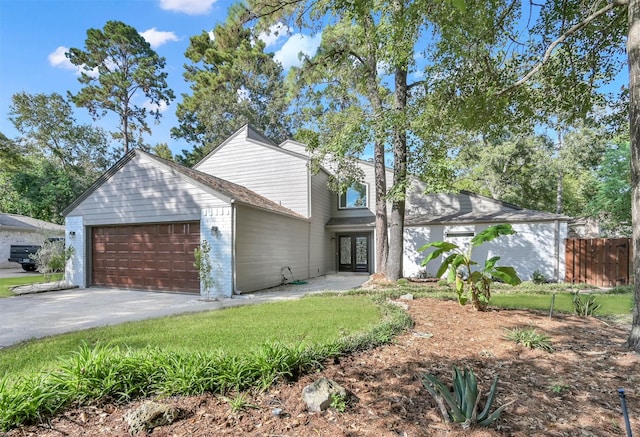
(267, 170)
(531, 248)
(295, 147)
(75, 269)
(144, 192)
(322, 247)
(265, 243)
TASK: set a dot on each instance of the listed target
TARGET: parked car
(20, 254)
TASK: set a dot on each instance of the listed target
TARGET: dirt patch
(570, 392)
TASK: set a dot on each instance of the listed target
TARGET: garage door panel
(157, 257)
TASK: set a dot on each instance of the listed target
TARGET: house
(265, 217)
(18, 229)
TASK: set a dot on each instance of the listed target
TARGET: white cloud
(274, 34)
(190, 7)
(162, 106)
(158, 37)
(58, 59)
(298, 43)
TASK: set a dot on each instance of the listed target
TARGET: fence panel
(602, 262)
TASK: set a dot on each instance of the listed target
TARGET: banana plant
(463, 271)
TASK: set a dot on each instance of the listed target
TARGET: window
(355, 197)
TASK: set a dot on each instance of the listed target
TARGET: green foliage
(612, 200)
(239, 402)
(529, 337)
(233, 82)
(585, 304)
(461, 405)
(203, 264)
(459, 264)
(104, 372)
(52, 257)
(126, 65)
(538, 277)
(339, 403)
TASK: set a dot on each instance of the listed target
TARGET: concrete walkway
(43, 314)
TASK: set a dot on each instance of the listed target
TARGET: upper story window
(354, 197)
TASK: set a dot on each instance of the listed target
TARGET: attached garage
(151, 256)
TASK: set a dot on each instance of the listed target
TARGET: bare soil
(572, 391)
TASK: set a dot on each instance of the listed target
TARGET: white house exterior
(18, 229)
(264, 214)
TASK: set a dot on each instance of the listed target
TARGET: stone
(408, 296)
(318, 395)
(150, 415)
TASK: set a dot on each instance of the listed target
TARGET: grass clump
(115, 373)
(585, 305)
(529, 337)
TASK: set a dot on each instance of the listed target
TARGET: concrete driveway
(43, 314)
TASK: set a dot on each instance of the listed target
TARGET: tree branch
(569, 32)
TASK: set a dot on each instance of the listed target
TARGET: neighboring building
(18, 229)
(263, 213)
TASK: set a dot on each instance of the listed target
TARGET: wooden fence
(602, 262)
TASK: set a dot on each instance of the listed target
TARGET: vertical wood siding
(143, 192)
(598, 261)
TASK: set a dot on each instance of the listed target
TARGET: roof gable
(220, 188)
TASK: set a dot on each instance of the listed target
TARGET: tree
(612, 200)
(377, 40)
(48, 127)
(234, 82)
(117, 64)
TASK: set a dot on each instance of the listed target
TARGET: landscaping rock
(42, 287)
(318, 395)
(150, 415)
(408, 296)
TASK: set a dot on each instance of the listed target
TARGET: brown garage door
(151, 257)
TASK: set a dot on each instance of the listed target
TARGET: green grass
(182, 355)
(611, 304)
(233, 330)
(6, 283)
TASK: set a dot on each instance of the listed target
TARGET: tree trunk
(382, 240)
(633, 51)
(560, 186)
(396, 219)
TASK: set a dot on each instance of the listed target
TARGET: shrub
(52, 256)
(585, 304)
(529, 337)
(461, 405)
(538, 277)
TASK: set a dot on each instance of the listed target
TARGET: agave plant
(461, 405)
(461, 267)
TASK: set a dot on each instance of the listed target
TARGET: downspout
(556, 249)
(310, 216)
(233, 248)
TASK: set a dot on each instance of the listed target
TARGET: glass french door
(353, 253)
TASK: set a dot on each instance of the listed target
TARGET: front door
(353, 253)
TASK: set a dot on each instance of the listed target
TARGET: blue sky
(34, 34)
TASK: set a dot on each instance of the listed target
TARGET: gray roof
(234, 192)
(369, 220)
(516, 215)
(16, 221)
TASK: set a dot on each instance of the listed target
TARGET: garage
(150, 256)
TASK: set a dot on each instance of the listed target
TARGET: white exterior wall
(278, 175)
(75, 268)
(265, 243)
(216, 227)
(145, 192)
(535, 246)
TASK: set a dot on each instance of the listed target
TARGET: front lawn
(6, 283)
